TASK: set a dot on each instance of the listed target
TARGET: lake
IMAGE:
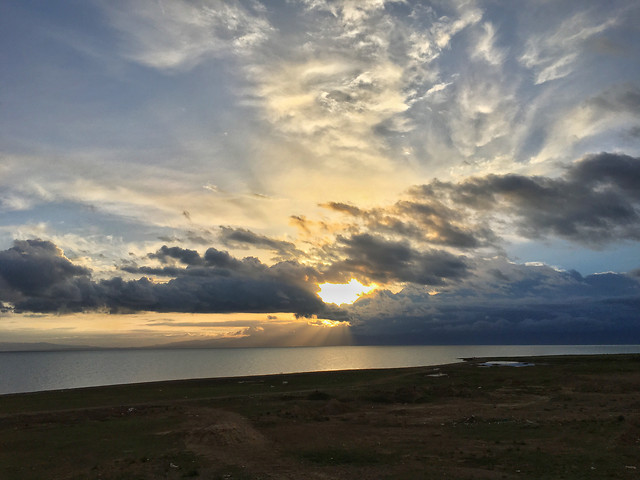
(37, 371)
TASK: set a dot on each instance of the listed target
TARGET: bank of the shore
(562, 417)
(40, 371)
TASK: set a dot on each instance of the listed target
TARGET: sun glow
(341, 293)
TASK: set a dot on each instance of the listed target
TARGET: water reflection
(35, 371)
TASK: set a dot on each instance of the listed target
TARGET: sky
(314, 172)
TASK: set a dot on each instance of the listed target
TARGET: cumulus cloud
(503, 302)
(36, 268)
(446, 298)
(595, 202)
(36, 276)
(379, 260)
(186, 256)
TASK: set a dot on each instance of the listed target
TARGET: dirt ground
(563, 417)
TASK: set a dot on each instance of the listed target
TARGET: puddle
(505, 363)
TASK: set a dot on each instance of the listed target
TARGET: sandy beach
(571, 417)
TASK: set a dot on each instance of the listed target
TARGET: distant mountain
(41, 347)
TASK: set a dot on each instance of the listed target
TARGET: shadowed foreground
(564, 417)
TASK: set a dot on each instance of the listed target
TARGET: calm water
(36, 371)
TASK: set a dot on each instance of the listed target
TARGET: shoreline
(262, 377)
(28, 372)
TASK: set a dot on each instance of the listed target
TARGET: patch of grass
(232, 472)
(573, 450)
(318, 395)
(343, 456)
(502, 431)
(41, 447)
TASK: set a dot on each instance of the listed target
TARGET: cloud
(485, 47)
(35, 268)
(343, 207)
(186, 256)
(179, 34)
(338, 96)
(502, 302)
(338, 103)
(595, 202)
(37, 277)
(612, 110)
(377, 259)
(436, 232)
(618, 172)
(552, 54)
(280, 334)
(244, 238)
(446, 298)
(212, 294)
(428, 221)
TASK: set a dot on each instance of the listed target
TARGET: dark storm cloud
(588, 322)
(527, 305)
(213, 262)
(234, 237)
(596, 201)
(381, 260)
(35, 276)
(35, 267)
(211, 294)
(174, 271)
(608, 170)
(188, 257)
(217, 258)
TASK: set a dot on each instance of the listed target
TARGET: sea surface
(38, 371)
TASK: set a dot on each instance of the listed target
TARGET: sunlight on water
(35, 371)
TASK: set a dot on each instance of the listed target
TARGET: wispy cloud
(608, 112)
(486, 48)
(180, 34)
(552, 54)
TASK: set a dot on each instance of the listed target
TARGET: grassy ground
(564, 417)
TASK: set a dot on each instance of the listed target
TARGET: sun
(341, 293)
